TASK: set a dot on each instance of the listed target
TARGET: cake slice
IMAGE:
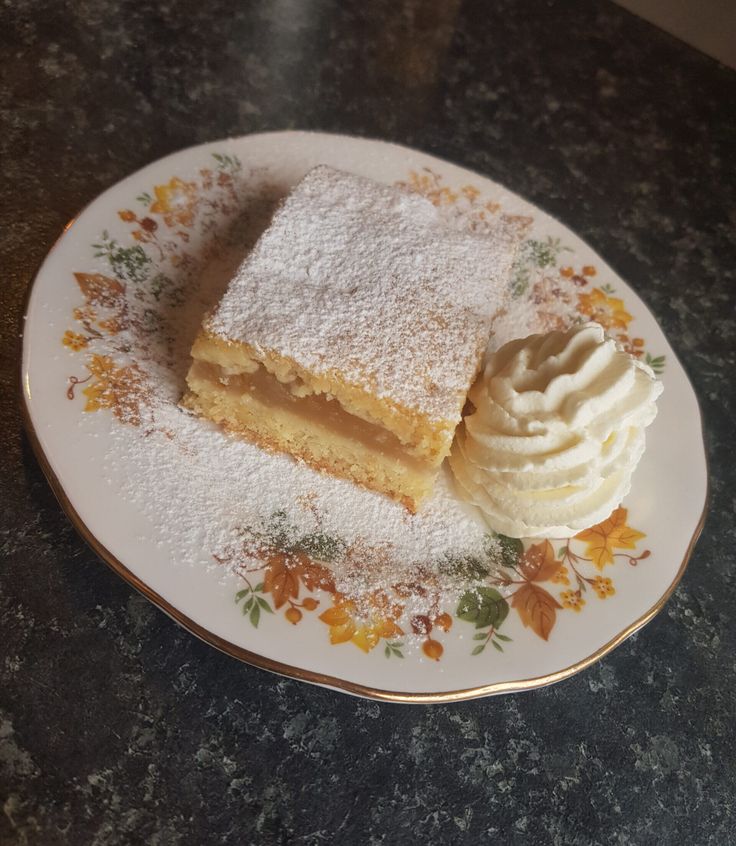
(350, 335)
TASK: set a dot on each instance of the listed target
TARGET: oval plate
(109, 319)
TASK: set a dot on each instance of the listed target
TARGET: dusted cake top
(370, 285)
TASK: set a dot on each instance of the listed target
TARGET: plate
(286, 568)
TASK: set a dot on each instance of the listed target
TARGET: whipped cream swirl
(556, 434)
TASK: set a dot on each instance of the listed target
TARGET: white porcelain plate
(284, 567)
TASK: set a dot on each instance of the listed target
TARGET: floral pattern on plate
(148, 278)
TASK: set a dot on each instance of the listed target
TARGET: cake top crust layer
(372, 286)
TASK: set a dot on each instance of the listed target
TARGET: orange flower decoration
(573, 600)
(121, 389)
(561, 576)
(603, 587)
(365, 634)
(176, 201)
(608, 311)
(74, 340)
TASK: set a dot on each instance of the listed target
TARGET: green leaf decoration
(544, 253)
(656, 363)
(520, 277)
(255, 615)
(483, 606)
(478, 649)
(533, 255)
(511, 550)
(248, 604)
(480, 636)
(279, 532)
(241, 593)
(320, 546)
(503, 637)
(393, 649)
(258, 588)
(490, 545)
(468, 608)
(131, 263)
(159, 284)
(469, 567)
(497, 645)
(226, 162)
(262, 602)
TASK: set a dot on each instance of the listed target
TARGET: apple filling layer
(288, 416)
(352, 331)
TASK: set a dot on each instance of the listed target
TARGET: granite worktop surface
(118, 727)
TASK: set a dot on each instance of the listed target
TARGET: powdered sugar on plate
(208, 486)
(220, 501)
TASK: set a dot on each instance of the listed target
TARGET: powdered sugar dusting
(208, 489)
(207, 486)
(210, 497)
(232, 522)
(372, 283)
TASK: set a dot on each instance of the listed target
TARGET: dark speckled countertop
(118, 727)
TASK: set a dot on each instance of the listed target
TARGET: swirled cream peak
(557, 431)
